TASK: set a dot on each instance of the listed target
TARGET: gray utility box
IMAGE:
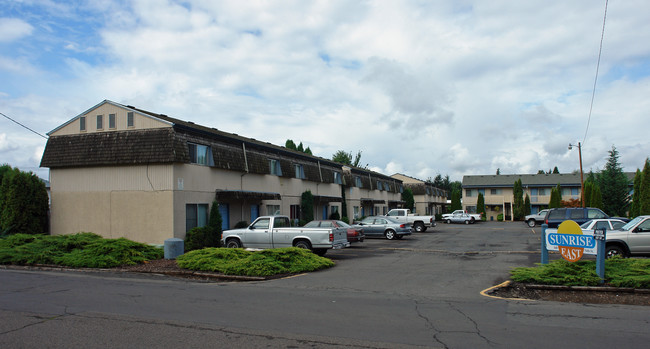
(174, 247)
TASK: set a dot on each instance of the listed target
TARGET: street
(420, 291)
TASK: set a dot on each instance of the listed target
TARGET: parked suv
(537, 218)
(555, 216)
(632, 239)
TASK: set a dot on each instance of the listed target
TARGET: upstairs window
(200, 154)
(300, 171)
(130, 121)
(274, 166)
(82, 123)
(111, 121)
(380, 186)
(469, 193)
(357, 182)
(338, 179)
(100, 122)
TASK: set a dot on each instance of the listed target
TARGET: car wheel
(419, 227)
(449, 221)
(472, 220)
(390, 234)
(531, 223)
(614, 250)
(467, 222)
(302, 244)
(233, 243)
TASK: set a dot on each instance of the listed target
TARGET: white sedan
(608, 224)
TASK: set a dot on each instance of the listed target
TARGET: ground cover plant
(619, 272)
(237, 261)
(82, 250)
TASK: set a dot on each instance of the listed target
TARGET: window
(196, 215)
(379, 186)
(200, 154)
(355, 211)
(575, 191)
(357, 182)
(272, 210)
(100, 124)
(275, 167)
(111, 121)
(130, 122)
(300, 171)
(495, 192)
(468, 193)
(401, 188)
(481, 191)
(294, 212)
(82, 123)
(337, 178)
(262, 223)
(281, 222)
(542, 192)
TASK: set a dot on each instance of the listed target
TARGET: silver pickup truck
(419, 223)
(276, 232)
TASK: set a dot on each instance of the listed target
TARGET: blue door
(255, 212)
(325, 212)
(224, 211)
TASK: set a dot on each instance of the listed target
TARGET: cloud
(5, 144)
(12, 29)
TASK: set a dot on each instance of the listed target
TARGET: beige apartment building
(429, 200)
(120, 171)
(497, 191)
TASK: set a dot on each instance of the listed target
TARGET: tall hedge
(644, 195)
(23, 202)
(307, 206)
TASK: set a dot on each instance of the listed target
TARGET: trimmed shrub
(500, 217)
(201, 237)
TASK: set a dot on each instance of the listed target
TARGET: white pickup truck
(473, 217)
(276, 232)
(419, 223)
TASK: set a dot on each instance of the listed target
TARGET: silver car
(607, 223)
(384, 226)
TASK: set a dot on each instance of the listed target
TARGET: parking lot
(420, 291)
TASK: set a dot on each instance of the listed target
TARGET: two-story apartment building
(429, 200)
(121, 171)
(497, 191)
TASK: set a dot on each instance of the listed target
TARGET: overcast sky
(420, 87)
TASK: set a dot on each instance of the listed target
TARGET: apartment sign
(570, 241)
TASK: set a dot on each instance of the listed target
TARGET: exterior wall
(503, 201)
(133, 202)
(141, 121)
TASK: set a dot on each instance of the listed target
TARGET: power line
(593, 93)
(23, 125)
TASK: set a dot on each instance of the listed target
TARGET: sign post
(600, 236)
(544, 248)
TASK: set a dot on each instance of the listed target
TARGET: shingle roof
(540, 180)
(113, 148)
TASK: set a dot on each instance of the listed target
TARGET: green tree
(455, 200)
(527, 205)
(455, 185)
(518, 204)
(480, 205)
(289, 144)
(307, 206)
(644, 196)
(345, 158)
(596, 197)
(23, 203)
(635, 205)
(407, 197)
(555, 200)
(588, 188)
(214, 222)
(555, 170)
(498, 171)
(614, 186)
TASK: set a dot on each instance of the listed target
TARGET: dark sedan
(355, 234)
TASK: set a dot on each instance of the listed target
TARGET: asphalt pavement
(420, 291)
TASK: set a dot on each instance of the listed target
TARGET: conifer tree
(644, 197)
